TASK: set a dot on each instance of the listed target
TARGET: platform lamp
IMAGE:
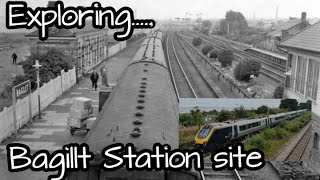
(37, 66)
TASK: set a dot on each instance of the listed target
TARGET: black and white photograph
(84, 83)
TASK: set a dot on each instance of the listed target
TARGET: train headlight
(205, 143)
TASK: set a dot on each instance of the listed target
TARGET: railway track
(210, 174)
(223, 43)
(197, 83)
(179, 78)
(197, 78)
(299, 152)
(229, 87)
(269, 69)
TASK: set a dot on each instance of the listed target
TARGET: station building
(303, 77)
(88, 46)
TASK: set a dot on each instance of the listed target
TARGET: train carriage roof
(285, 113)
(156, 34)
(159, 116)
(142, 109)
(269, 53)
(249, 121)
(150, 51)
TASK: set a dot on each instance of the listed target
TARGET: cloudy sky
(163, 9)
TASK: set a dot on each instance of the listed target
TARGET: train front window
(204, 132)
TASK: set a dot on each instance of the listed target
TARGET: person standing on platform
(94, 79)
(14, 58)
(104, 74)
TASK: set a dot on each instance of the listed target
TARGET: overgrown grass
(271, 140)
(186, 136)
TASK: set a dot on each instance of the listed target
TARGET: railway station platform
(51, 132)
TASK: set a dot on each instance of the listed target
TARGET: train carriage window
(242, 128)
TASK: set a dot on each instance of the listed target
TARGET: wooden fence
(48, 93)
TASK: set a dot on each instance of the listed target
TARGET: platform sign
(22, 89)
(18, 92)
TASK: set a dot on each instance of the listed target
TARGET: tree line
(197, 117)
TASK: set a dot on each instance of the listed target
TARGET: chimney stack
(51, 3)
(304, 16)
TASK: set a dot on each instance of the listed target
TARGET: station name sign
(22, 89)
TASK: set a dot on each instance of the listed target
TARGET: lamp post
(37, 66)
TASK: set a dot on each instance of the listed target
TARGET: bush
(256, 141)
(213, 54)
(196, 41)
(292, 126)
(276, 110)
(240, 113)
(283, 124)
(225, 57)
(306, 105)
(186, 120)
(281, 133)
(246, 68)
(262, 110)
(223, 116)
(52, 61)
(278, 92)
(206, 49)
(290, 104)
(205, 32)
(269, 133)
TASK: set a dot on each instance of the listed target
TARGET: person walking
(94, 79)
(104, 74)
(14, 58)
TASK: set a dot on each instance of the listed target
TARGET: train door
(235, 131)
(268, 122)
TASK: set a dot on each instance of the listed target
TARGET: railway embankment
(294, 143)
(272, 141)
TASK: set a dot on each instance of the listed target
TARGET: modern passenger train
(216, 135)
(142, 109)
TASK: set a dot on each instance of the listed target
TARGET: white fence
(48, 93)
(117, 48)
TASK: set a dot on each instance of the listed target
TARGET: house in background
(285, 30)
(290, 27)
(303, 77)
(87, 46)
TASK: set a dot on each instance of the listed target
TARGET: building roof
(53, 32)
(307, 39)
(66, 33)
(285, 26)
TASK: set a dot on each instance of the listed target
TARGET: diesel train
(142, 109)
(216, 135)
